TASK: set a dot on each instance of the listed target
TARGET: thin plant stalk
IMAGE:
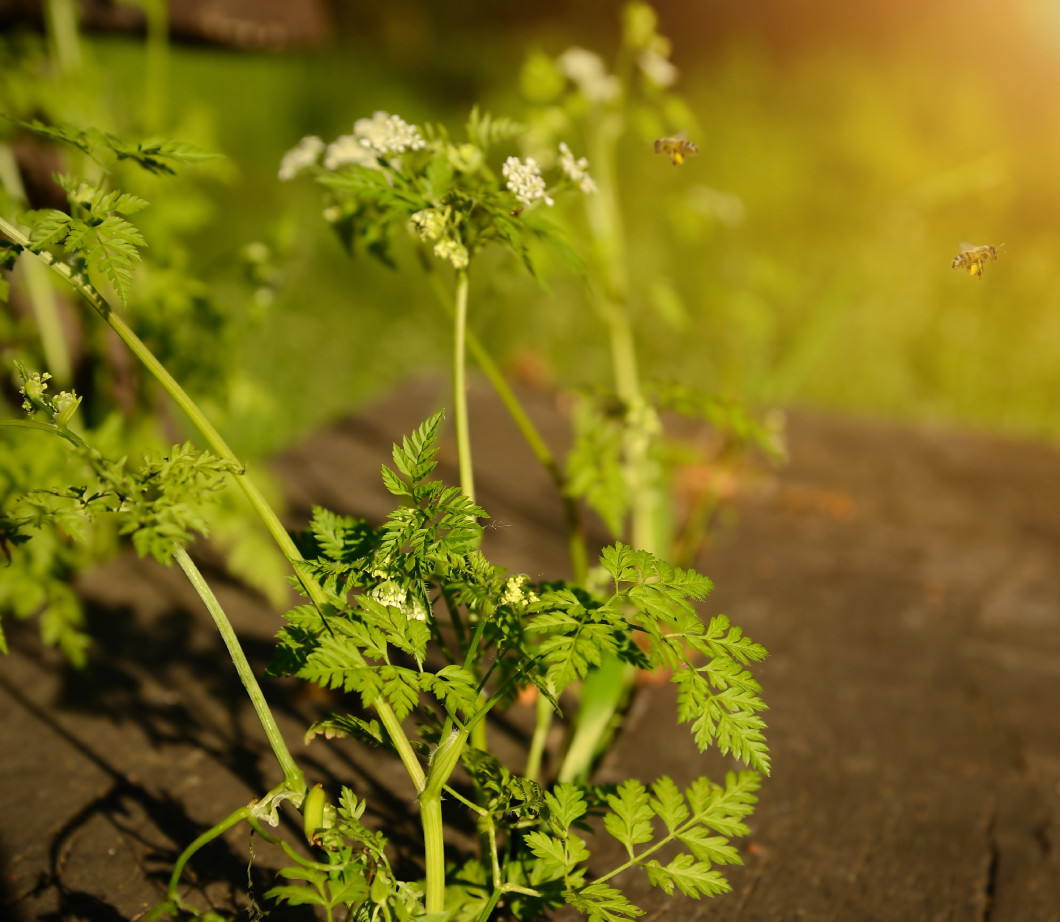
(463, 437)
(543, 716)
(156, 63)
(60, 17)
(572, 520)
(607, 687)
(291, 772)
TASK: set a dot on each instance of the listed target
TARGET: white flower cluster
(300, 157)
(453, 252)
(516, 593)
(657, 68)
(381, 135)
(525, 180)
(395, 595)
(348, 149)
(428, 224)
(384, 134)
(576, 170)
(586, 69)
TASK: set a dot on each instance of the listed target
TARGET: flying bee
(677, 149)
(975, 258)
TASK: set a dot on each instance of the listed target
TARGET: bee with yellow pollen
(974, 258)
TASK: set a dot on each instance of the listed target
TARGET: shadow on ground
(906, 582)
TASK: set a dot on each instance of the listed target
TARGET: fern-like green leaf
(601, 903)
(669, 803)
(115, 253)
(595, 470)
(48, 228)
(566, 805)
(454, 686)
(631, 814)
(693, 878)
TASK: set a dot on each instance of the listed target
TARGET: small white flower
(453, 252)
(394, 595)
(300, 157)
(657, 68)
(577, 170)
(384, 134)
(525, 180)
(348, 149)
(586, 69)
(428, 224)
(390, 593)
(415, 609)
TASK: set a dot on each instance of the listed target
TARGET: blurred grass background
(803, 258)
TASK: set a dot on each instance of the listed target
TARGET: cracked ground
(906, 581)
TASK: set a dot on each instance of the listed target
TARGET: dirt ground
(906, 581)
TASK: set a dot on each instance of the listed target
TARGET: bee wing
(964, 246)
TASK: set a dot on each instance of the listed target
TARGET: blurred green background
(803, 258)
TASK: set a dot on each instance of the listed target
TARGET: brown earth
(905, 580)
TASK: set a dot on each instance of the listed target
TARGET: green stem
(293, 779)
(463, 438)
(157, 46)
(606, 687)
(205, 839)
(434, 852)
(491, 904)
(446, 757)
(401, 743)
(573, 527)
(291, 773)
(60, 17)
(639, 859)
(543, 716)
(572, 521)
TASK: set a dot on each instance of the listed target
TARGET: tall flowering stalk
(616, 464)
(389, 176)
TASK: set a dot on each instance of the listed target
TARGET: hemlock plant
(408, 615)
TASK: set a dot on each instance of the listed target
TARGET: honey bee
(975, 258)
(677, 149)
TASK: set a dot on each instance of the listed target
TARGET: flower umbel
(300, 157)
(384, 134)
(453, 252)
(525, 180)
(393, 594)
(428, 224)
(586, 69)
(517, 594)
(657, 69)
(577, 170)
(348, 149)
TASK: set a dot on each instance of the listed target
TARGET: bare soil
(906, 581)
